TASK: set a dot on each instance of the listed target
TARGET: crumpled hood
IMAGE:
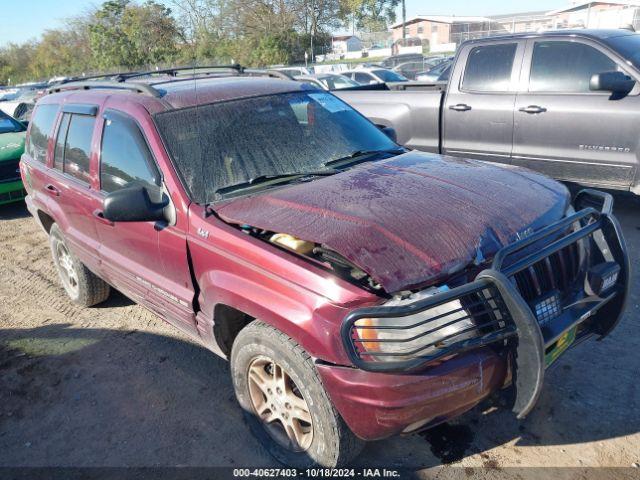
(411, 220)
(11, 145)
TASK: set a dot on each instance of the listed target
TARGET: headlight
(412, 336)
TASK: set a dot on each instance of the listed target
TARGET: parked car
(12, 133)
(438, 73)
(373, 76)
(413, 68)
(562, 103)
(295, 71)
(395, 60)
(358, 289)
(328, 81)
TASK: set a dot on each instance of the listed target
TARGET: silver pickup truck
(564, 103)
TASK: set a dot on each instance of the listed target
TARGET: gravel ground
(116, 386)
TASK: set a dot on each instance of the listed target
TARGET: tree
(123, 34)
(377, 14)
(369, 15)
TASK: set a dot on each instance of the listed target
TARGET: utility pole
(404, 21)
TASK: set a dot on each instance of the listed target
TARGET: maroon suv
(360, 290)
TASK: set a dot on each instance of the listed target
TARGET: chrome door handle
(460, 107)
(533, 109)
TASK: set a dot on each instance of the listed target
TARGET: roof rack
(107, 76)
(272, 73)
(173, 72)
(119, 85)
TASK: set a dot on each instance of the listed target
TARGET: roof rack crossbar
(134, 87)
(83, 78)
(174, 71)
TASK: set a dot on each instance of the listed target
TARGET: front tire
(82, 286)
(285, 404)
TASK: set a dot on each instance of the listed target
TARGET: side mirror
(390, 132)
(614, 82)
(132, 204)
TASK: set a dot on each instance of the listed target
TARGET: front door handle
(533, 109)
(99, 215)
(52, 190)
(460, 107)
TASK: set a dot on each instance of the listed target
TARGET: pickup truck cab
(358, 290)
(563, 103)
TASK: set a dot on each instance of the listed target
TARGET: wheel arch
(229, 302)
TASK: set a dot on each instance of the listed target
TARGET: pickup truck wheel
(285, 404)
(83, 286)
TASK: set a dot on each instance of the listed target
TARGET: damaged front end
(541, 295)
(319, 254)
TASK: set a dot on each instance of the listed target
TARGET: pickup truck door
(131, 252)
(478, 108)
(562, 128)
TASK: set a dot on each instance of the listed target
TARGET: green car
(12, 133)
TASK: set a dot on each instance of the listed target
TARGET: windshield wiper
(268, 178)
(361, 156)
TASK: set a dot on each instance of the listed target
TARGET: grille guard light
(602, 277)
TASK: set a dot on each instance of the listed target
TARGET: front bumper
(11, 191)
(381, 398)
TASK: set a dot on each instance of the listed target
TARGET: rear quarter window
(41, 130)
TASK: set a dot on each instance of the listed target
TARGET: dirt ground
(116, 386)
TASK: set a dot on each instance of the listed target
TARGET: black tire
(83, 287)
(333, 443)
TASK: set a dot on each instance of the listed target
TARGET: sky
(22, 20)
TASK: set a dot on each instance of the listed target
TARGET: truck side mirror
(614, 82)
(390, 132)
(132, 204)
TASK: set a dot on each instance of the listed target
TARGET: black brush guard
(507, 319)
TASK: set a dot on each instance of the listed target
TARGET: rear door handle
(99, 215)
(533, 109)
(52, 190)
(460, 107)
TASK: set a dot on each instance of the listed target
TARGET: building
(582, 14)
(440, 33)
(443, 32)
(345, 43)
(524, 21)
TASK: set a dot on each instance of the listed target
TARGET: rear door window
(40, 132)
(73, 145)
(489, 68)
(566, 67)
(125, 158)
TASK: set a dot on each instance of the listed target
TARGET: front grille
(558, 272)
(9, 170)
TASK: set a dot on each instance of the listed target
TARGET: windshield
(9, 125)
(628, 46)
(389, 76)
(223, 144)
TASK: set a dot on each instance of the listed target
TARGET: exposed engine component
(326, 257)
(289, 241)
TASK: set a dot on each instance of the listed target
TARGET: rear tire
(82, 286)
(303, 412)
